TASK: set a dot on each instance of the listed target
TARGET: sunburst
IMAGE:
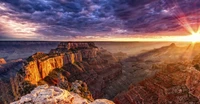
(195, 37)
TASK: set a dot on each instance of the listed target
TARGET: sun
(195, 37)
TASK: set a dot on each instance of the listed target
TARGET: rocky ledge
(54, 95)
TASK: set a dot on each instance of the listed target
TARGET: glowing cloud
(3, 7)
(17, 28)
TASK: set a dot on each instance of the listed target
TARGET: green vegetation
(27, 87)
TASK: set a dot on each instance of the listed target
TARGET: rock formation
(40, 65)
(54, 95)
(2, 61)
(93, 73)
(145, 65)
(73, 61)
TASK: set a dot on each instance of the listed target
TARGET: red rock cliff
(40, 65)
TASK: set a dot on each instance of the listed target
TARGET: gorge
(69, 62)
(95, 73)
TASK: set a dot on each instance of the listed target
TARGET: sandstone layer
(40, 65)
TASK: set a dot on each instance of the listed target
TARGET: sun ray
(181, 18)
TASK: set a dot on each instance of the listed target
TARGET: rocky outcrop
(2, 61)
(54, 95)
(75, 61)
(40, 65)
(61, 67)
(39, 68)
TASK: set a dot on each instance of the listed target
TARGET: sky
(98, 20)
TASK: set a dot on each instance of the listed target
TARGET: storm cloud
(74, 18)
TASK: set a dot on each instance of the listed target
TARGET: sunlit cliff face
(100, 20)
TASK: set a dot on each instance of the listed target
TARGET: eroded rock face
(176, 83)
(40, 65)
(2, 61)
(55, 95)
(40, 68)
(85, 62)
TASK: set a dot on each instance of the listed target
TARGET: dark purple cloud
(72, 18)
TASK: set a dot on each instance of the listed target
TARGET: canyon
(174, 80)
(70, 62)
(115, 76)
(175, 83)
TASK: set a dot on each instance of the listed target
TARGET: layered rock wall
(40, 65)
(177, 83)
